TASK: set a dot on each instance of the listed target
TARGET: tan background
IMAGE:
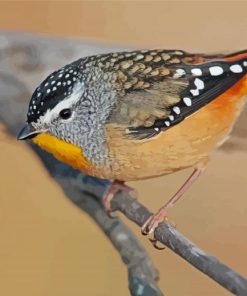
(47, 246)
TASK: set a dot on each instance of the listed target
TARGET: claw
(155, 242)
(150, 225)
(146, 230)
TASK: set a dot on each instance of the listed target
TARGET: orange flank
(236, 57)
(64, 151)
(233, 94)
(228, 105)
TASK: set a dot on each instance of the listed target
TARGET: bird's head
(59, 113)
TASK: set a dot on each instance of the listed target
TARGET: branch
(183, 247)
(136, 212)
(76, 185)
(86, 192)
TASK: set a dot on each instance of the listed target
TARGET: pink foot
(150, 225)
(112, 190)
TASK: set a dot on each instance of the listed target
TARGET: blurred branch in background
(23, 60)
(85, 192)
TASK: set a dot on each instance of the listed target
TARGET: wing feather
(159, 89)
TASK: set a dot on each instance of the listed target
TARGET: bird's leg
(150, 225)
(112, 190)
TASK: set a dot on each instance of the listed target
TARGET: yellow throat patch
(63, 151)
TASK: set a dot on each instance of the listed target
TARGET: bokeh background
(48, 246)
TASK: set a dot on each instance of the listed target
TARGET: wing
(159, 89)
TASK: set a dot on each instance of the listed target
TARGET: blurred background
(47, 245)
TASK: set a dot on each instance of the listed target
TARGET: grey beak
(27, 132)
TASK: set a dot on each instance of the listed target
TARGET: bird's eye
(65, 113)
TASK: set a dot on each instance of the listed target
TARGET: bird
(135, 115)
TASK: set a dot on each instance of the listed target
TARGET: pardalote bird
(135, 115)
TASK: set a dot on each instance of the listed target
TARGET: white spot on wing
(187, 101)
(236, 68)
(179, 73)
(195, 92)
(176, 110)
(199, 83)
(196, 71)
(216, 70)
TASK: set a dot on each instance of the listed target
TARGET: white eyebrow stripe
(64, 104)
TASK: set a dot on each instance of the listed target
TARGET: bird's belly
(182, 146)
